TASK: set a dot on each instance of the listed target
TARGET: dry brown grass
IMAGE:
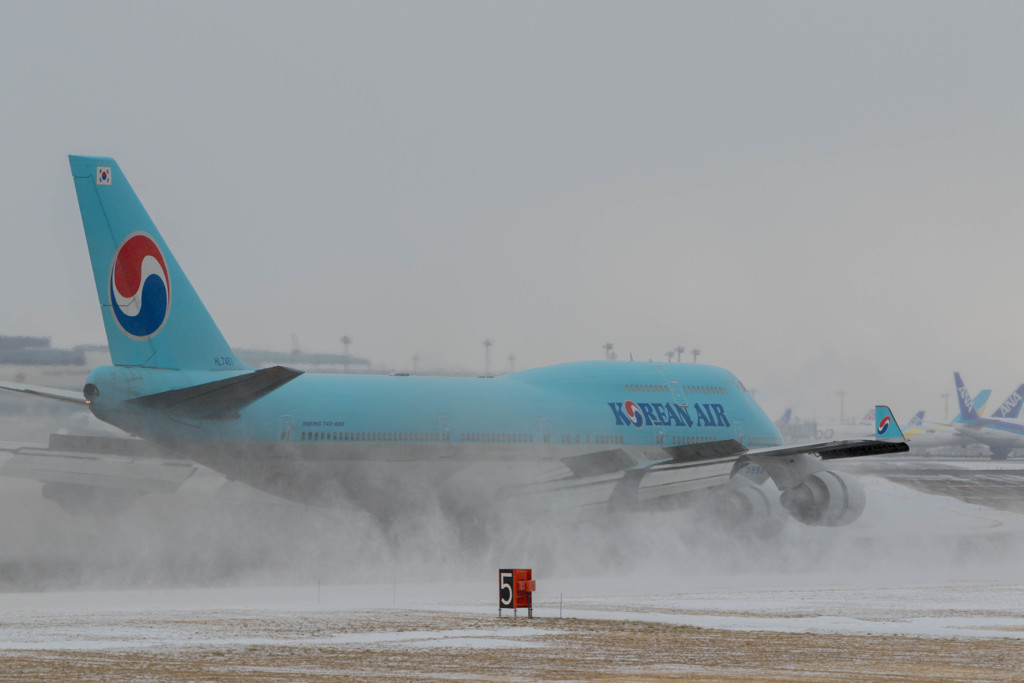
(562, 650)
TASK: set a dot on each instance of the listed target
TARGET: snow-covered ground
(915, 564)
(168, 618)
(922, 586)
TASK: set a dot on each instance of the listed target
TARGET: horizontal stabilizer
(46, 392)
(220, 400)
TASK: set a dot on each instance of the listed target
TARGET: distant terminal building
(37, 351)
(31, 360)
(317, 362)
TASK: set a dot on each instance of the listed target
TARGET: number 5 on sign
(506, 595)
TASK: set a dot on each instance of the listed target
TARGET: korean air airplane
(1002, 432)
(588, 435)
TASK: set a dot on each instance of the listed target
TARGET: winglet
(886, 428)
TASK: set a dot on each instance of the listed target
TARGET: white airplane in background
(1002, 432)
(934, 435)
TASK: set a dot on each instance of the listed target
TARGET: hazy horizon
(820, 197)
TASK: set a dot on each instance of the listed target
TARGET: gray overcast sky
(820, 196)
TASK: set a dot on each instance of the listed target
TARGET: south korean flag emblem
(103, 176)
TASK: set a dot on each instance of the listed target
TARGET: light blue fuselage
(589, 404)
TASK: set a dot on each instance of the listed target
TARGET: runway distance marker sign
(515, 590)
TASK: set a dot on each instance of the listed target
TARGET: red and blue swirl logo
(633, 413)
(140, 288)
(883, 425)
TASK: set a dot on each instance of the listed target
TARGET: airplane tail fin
(886, 428)
(979, 400)
(967, 410)
(917, 420)
(152, 315)
(1010, 409)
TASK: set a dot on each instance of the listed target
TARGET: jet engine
(749, 506)
(812, 492)
(826, 498)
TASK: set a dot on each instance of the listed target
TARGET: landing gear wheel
(1000, 453)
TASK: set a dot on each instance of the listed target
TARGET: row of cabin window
(600, 439)
(761, 442)
(491, 438)
(689, 389)
(498, 438)
(369, 436)
(688, 440)
(647, 388)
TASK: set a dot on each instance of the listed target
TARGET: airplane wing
(46, 392)
(94, 474)
(108, 471)
(615, 479)
(80, 467)
(831, 450)
(79, 470)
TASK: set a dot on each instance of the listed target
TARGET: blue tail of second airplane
(152, 315)
(1010, 409)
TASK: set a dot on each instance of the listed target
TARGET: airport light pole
(345, 341)
(669, 354)
(842, 405)
(945, 409)
(487, 356)
(679, 354)
(608, 355)
(695, 352)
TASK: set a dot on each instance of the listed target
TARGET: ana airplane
(1010, 408)
(607, 435)
(915, 422)
(933, 435)
(1002, 432)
